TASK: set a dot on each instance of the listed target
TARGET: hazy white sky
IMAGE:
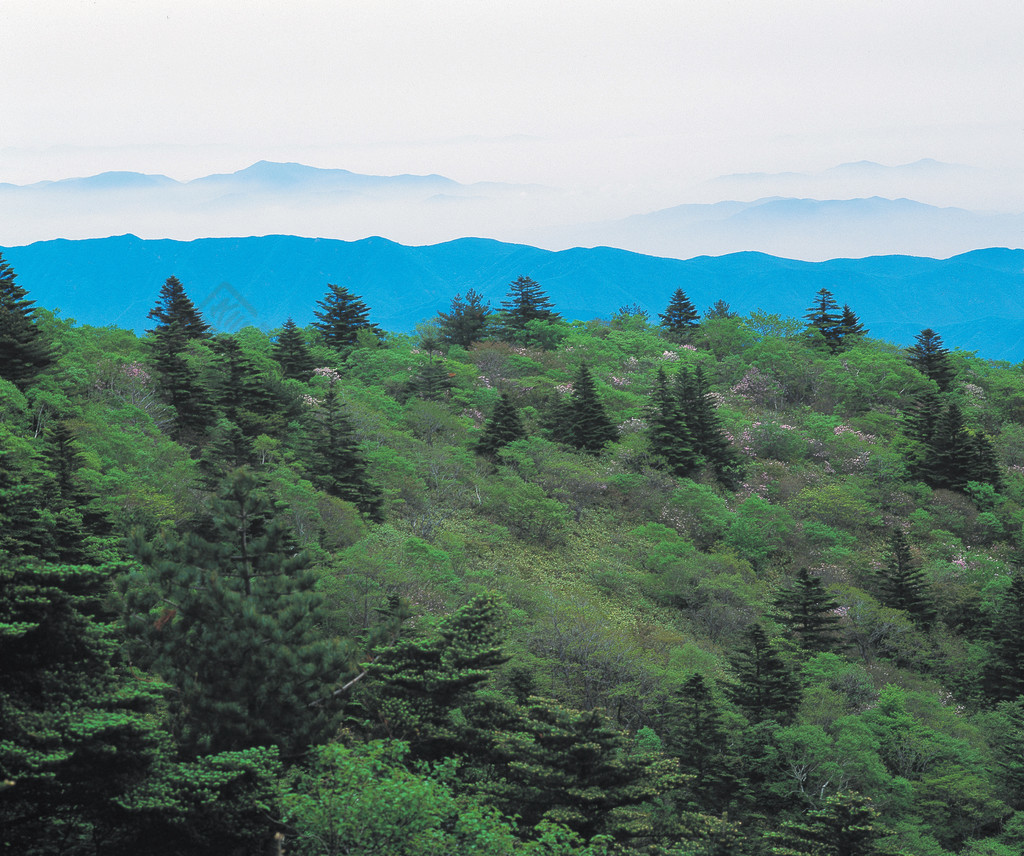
(575, 94)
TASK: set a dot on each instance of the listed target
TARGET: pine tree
(340, 318)
(582, 421)
(809, 611)
(502, 428)
(949, 460)
(525, 302)
(24, 351)
(416, 684)
(336, 464)
(901, 585)
(680, 317)
(176, 316)
(766, 687)
(1004, 672)
(930, 358)
(669, 434)
(846, 825)
(705, 428)
(850, 328)
(291, 353)
(234, 625)
(243, 392)
(982, 463)
(825, 319)
(178, 383)
(466, 322)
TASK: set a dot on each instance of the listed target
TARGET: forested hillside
(685, 583)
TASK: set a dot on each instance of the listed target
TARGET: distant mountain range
(975, 300)
(806, 216)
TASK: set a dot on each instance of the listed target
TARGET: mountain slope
(975, 300)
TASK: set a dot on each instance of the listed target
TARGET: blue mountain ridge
(974, 300)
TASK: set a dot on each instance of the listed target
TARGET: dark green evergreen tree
(850, 327)
(234, 624)
(718, 310)
(948, 464)
(930, 358)
(982, 464)
(415, 686)
(668, 431)
(433, 381)
(1004, 672)
(581, 421)
(846, 825)
(766, 687)
(824, 319)
(705, 428)
(27, 524)
(466, 322)
(291, 352)
(696, 734)
(903, 586)
(243, 392)
(573, 768)
(24, 349)
(680, 316)
(334, 459)
(340, 318)
(178, 383)
(809, 611)
(176, 315)
(502, 428)
(525, 302)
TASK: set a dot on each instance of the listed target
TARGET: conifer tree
(901, 585)
(846, 825)
(669, 434)
(525, 302)
(850, 327)
(930, 358)
(340, 318)
(416, 684)
(466, 322)
(291, 353)
(949, 459)
(233, 623)
(581, 420)
(809, 611)
(177, 317)
(697, 735)
(680, 316)
(705, 428)
(502, 428)
(24, 350)
(1004, 672)
(243, 392)
(766, 687)
(825, 318)
(336, 463)
(178, 383)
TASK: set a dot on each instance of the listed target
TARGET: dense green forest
(690, 585)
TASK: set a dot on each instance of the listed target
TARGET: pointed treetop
(24, 351)
(175, 311)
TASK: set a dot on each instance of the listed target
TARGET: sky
(641, 99)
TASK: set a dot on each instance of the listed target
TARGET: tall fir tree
(766, 687)
(292, 354)
(25, 351)
(502, 428)
(850, 327)
(525, 302)
(825, 319)
(340, 318)
(929, 357)
(705, 428)
(846, 825)
(901, 585)
(178, 383)
(1004, 671)
(580, 420)
(809, 611)
(466, 321)
(667, 430)
(335, 462)
(234, 624)
(680, 316)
